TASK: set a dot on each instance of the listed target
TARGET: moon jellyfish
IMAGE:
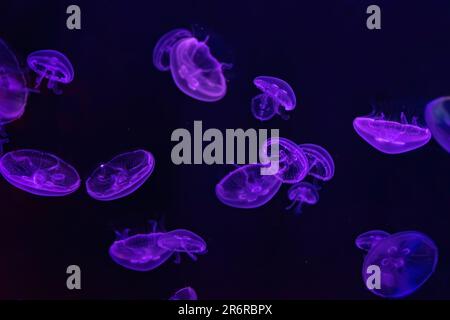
(246, 187)
(300, 193)
(39, 173)
(120, 176)
(321, 164)
(181, 240)
(406, 261)
(277, 98)
(139, 252)
(196, 71)
(437, 117)
(292, 161)
(52, 65)
(369, 239)
(164, 46)
(389, 136)
(185, 294)
(13, 88)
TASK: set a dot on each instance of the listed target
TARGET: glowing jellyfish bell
(301, 193)
(321, 164)
(120, 176)
(186, 293)
(52, 65)
(39, 173)
(164, 46)
(182, 240)
(437, 117)
(390, 136)
(246, 187)
(406, 261)
(277, 97)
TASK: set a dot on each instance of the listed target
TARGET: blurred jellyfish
(300, 193)
(437, 117)
(39, 173)
(164, 46)
(52, 65)
(277, 98)
(181, 240)
(245, 187)
(406, 261)
(292, 161)
(321, 164)
(120, 176)
(187, 293)
(391, 137)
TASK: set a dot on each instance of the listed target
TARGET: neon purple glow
(39, 173)
(321, 164)
(437, 117)
(181, 240)
(163, 48)
(196, 71)
(52, 65)
(277, 97)
(185, 294)
(406, 260)
(120, 176)
(368, 240)
(13, 88)
(300, 193)
(391, 137)
(246, 188)
(293, 163)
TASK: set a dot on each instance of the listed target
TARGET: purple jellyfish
(321, 164)
(405, 260)
(53, 65)
(39, 173)
(163, 48)
(181, 240)
(196, 71)
(300, 193)
(292, 161)
(247, 188)
(120, 176)
(139, 252)
(13, 88)
(185, 294)
(277, 98)
(391, 137)
(368, 240)
(437, 117)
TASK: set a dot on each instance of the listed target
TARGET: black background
(119, 102)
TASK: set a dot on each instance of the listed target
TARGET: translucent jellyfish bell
(321, 164)
(196, 71)
(39, 173)
(182, 240)
(406, 261)
(164, 46)
(292, 161)
(437, 117)
(52, 65)
(187, 293)
(120, 176)
(245, 187)
(367, 240)
(389, 136)
(301, 193)
(277, 98)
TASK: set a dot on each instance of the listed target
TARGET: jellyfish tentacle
(39, 79)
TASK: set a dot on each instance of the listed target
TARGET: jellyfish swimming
(293, 164)
(186, 293)
(321, 164)
(120, 176)
(245, 187)
(367, 240)
(391, 137)
(52, 65)
(406, 261)
(39, 173)
(437, 117)
(301, 193)
(164, 46)
(182, 240)
(277, 97)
